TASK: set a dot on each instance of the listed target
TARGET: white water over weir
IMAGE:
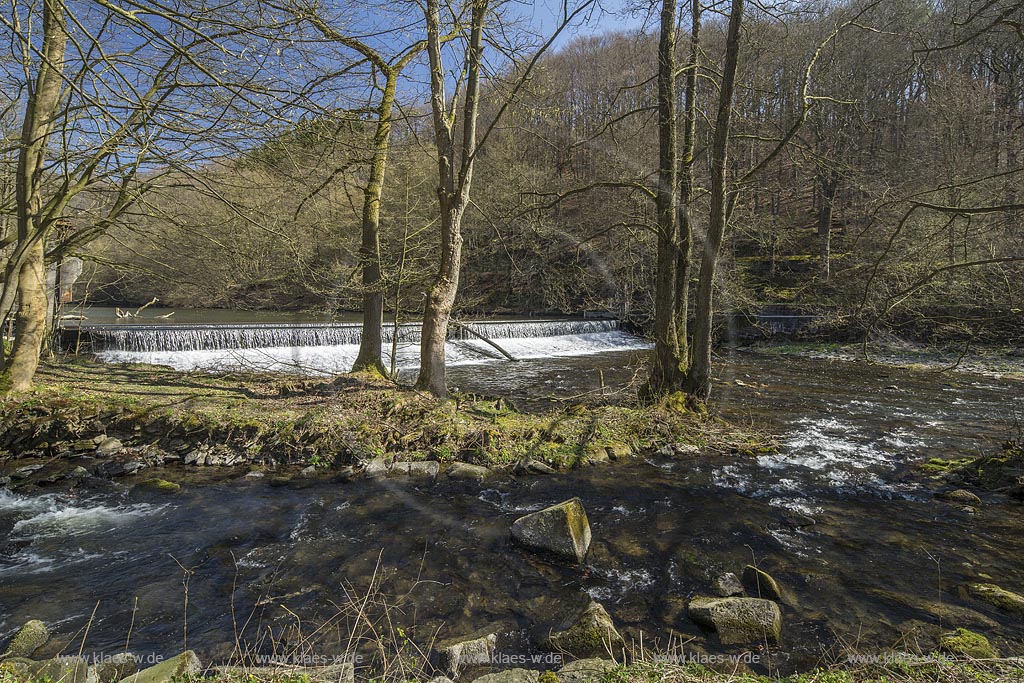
(139, 338)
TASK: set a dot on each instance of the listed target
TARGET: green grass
(354, 417)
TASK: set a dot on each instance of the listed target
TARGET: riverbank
(121, 420)
(991, 361)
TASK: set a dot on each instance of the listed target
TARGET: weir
(214, 337)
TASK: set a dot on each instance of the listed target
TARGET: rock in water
(170, 671)
(760, 583)
(29, 638)
(1000, 597)
(593, 634)
(738, 620)
(728, 585)
(474, 651)
(561, 529)
(160, 485)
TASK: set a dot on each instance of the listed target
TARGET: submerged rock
(760, 583)
(561, 529)
(1000, 597)
(458, 654)
(510, 676)
(29, 638)
(738, 620)
(968, 644)
(172, 670)
(592, 634)
(161, 485)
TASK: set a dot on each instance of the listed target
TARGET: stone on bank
(466, 652)
(592, 634)
(168, 671)
(561, 529)
(29, 638)
(738, 620)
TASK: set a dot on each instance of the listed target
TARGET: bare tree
(112, 95)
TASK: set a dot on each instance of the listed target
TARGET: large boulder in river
(29, 638)
(168, 671)
(738, 620)
(1000, 597)
(592, 634)
(562, 530)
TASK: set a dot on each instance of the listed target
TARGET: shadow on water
(838, 516)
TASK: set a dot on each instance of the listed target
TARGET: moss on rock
(968, 644)
(999, 597)
(592, 634)
(29, 638)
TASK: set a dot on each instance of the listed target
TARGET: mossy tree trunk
(371, 340)
(686, 194)
(666, 372)
(25, 270)
(455, 177)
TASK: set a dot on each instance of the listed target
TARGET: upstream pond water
(867, 557)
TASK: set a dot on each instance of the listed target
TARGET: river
(867, 558)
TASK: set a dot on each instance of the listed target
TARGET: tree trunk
(452, 191)
(27, 268)
(699, 377)
(829, 185)
(665, 374)
(30, 324)
(371, 338)
(683, 268)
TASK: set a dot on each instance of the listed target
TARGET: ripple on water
(62, 520)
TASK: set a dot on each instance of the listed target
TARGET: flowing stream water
(838, 515)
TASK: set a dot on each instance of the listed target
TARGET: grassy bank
(923, 670)
(279, 418)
